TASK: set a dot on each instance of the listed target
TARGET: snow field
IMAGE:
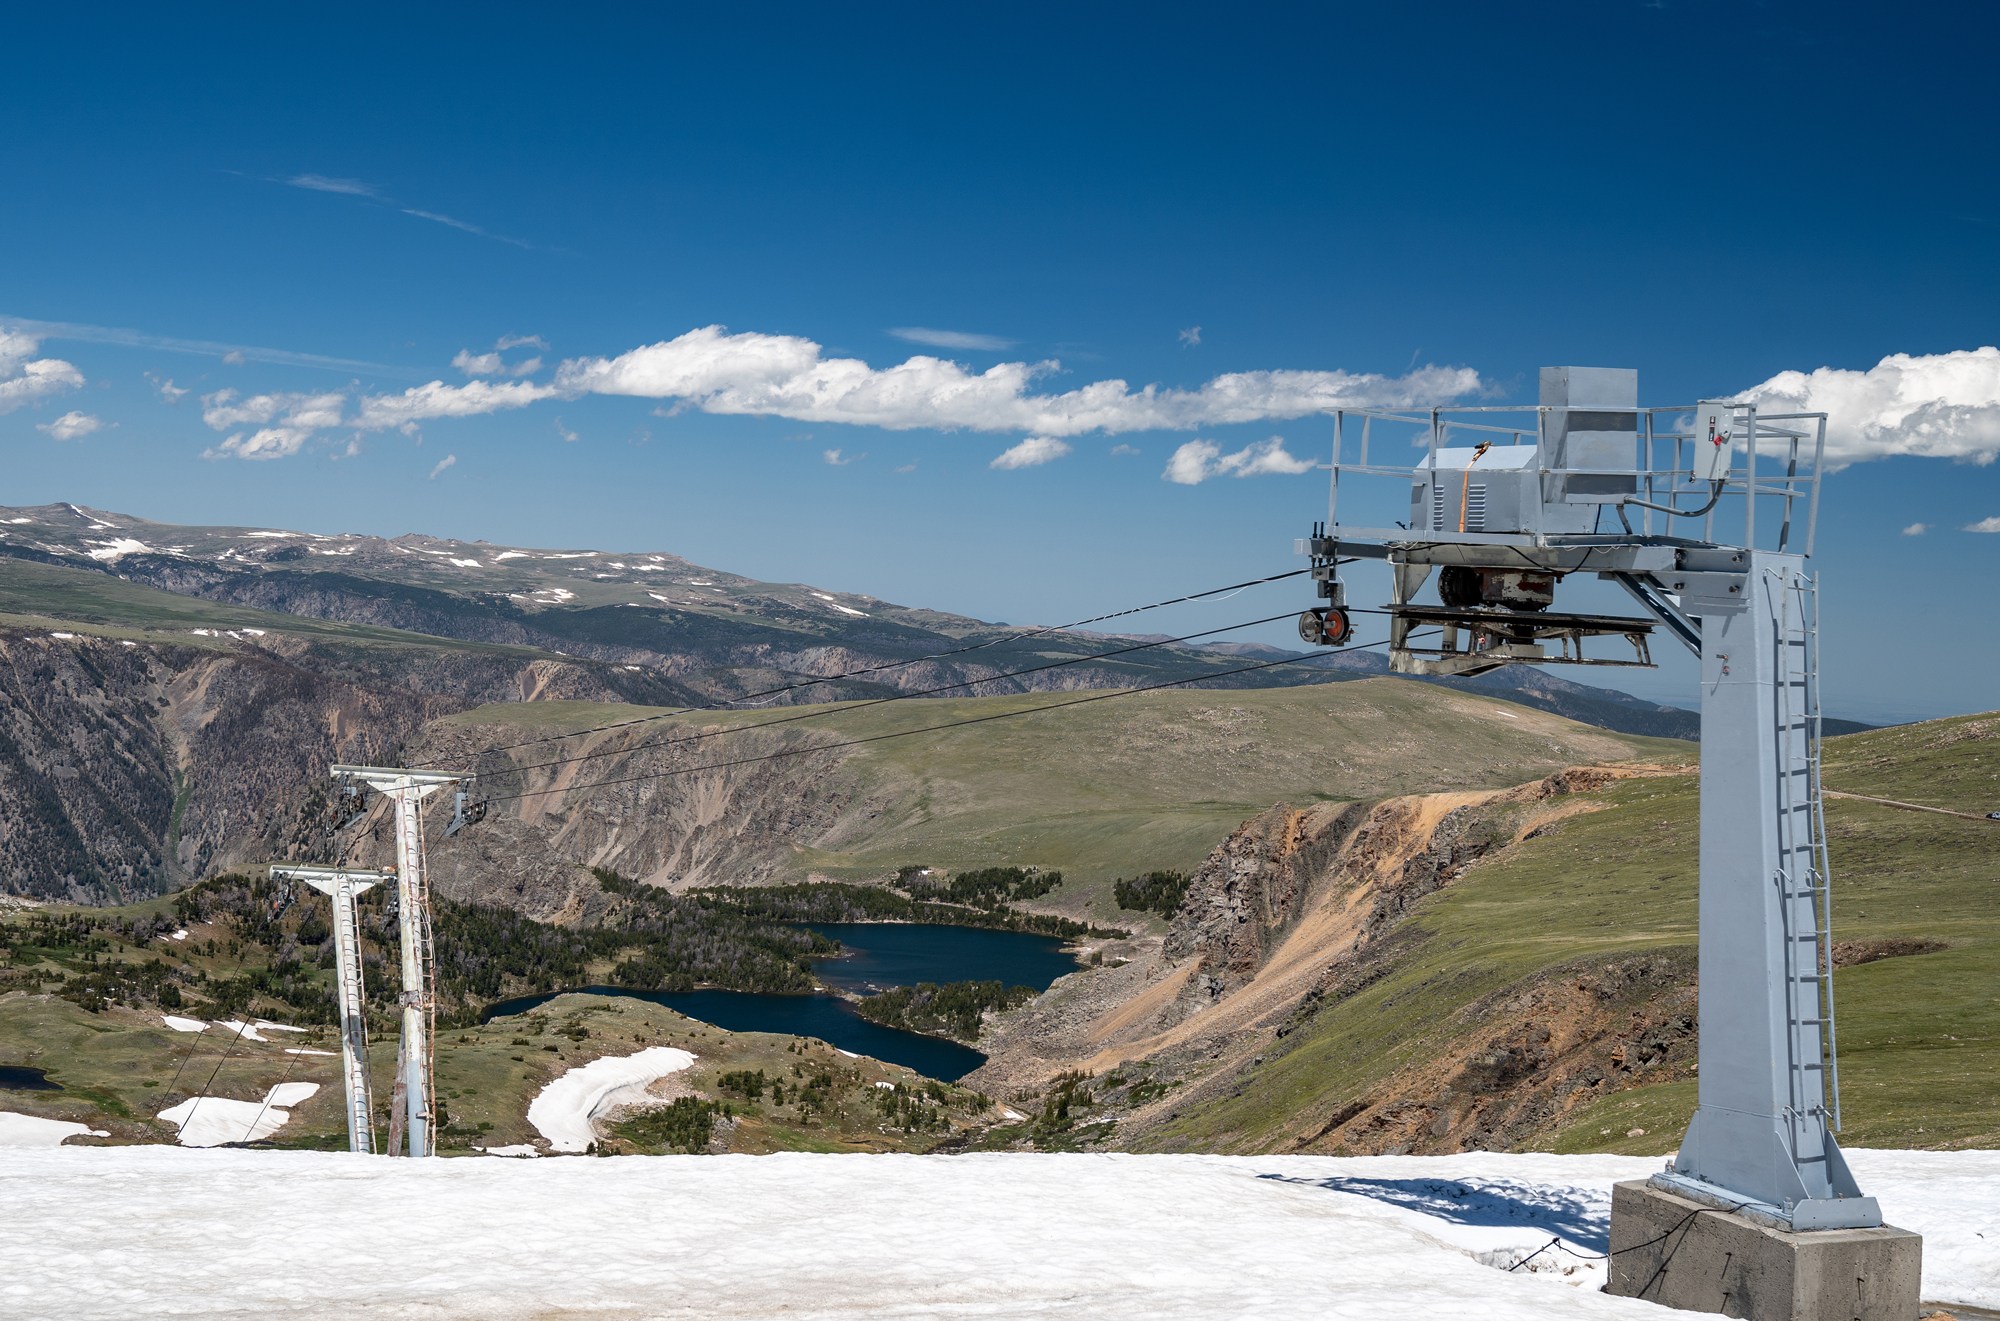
(23, 1131)
(564, 1110)
(305, 1234)
(210, 1121)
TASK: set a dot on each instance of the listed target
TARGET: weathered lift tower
(407, 789)
(1704, 514)
(343, 885)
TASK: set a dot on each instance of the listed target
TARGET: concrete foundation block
(1667, 1249)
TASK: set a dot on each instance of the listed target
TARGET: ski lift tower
(407, 789)
(1704, 514)
(343, 885)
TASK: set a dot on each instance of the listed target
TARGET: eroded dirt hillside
(1300, 910)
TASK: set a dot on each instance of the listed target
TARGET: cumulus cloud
(1916, 529)
(951, 339)
(838, 459)
(442, 464)
(73, 425)
(1940, 405)
(788, 376)
(170, 392)
(569, 435)
(1984, 525)
(26, 379)
(421, 403)
(281, 423)
(1191, 337)
(525, 367)
(1123, 450)
(751, 374)
(1031, 453)
(1199, 460)
(235, 358)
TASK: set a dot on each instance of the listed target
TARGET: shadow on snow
(1581, 1216)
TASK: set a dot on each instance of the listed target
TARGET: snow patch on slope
(21, 1131)
(564, 1110)
(210, 1121)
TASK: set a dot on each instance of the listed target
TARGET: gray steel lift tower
(407, 790)
(343, 885)
(1704, 514)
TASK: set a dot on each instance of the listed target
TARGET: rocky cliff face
(128, 768)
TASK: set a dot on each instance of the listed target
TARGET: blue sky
(303, 214)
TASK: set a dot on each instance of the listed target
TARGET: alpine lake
(875, 956)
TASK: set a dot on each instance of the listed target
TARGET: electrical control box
(1714, 435)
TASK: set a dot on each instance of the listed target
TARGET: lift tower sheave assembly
(344, 885)
(406, 790)
(1704, 514)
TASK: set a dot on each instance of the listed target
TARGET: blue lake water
(877, 955)
(20, 1078)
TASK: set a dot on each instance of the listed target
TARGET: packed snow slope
(157, 1232)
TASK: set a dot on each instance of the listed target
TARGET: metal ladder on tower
(1804, 879)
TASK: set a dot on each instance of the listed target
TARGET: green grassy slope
(1919, 1035)
(35, 595)
(1123, 786)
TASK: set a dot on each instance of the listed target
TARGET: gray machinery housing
(1704, 514)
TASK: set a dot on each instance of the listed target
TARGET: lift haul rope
(818, 712)
(899, 664)
(927, 729)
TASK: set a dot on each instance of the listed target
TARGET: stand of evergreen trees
(954, 1009)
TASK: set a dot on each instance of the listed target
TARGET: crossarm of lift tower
(1506, 501)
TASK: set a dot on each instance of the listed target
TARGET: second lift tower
(407, 789)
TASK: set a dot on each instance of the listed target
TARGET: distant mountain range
(695, 634)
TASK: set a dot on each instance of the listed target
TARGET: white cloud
(477, 364)
(1030, 453)
(26, 379)
(506, 342)
(836, 458)
(525, 367)
(72, 425)
(1122, 451)
(568, 435)
(788, 376)
(1916, 529)
(442, 464)
(951, 339)
(368, 192)
(1940, 405)
(234, 354)
(421, 403)
(226, 408)
(1984, 525)
(283, 421)
(320, 183)
(170, 392)
(1198, 460)
(263, 443)
(1190, 337)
